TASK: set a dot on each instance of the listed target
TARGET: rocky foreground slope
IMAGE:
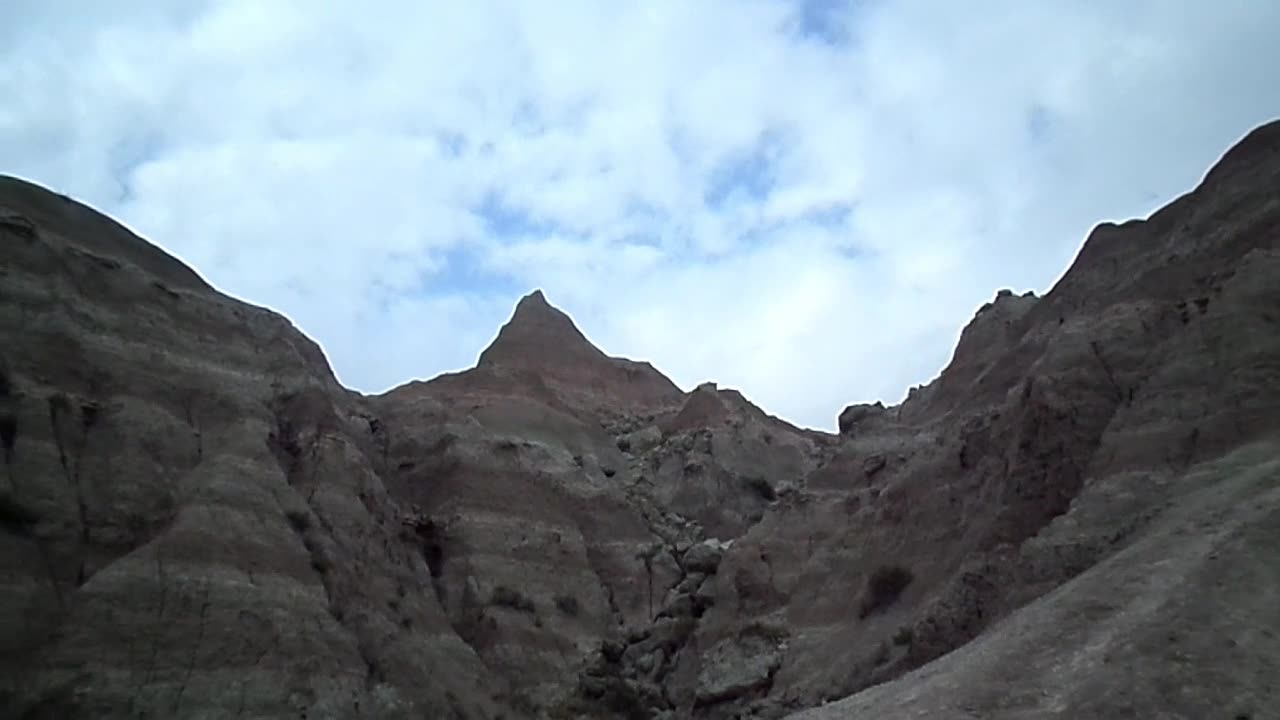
(1079, 518)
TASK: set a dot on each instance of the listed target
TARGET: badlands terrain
(1079, 518)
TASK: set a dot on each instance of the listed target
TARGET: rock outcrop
(541, 343)
(1078, 518)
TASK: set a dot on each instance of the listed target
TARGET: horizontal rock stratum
(1079, 518)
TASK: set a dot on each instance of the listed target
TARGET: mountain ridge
(1076, 517)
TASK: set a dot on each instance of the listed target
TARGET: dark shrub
(883, 588)
(762, 488)
(89, 412)
(299, 519)
(8, 432)
(568, 605)
(320, 560)
(15, 516)
(509, 597)
(883, 652)
(904, 635)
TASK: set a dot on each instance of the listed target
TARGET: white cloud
(700, 184)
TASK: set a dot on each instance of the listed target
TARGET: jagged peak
(534, 311)
(533, 301)
(1007, 298)
(538, 332)
(543, 342)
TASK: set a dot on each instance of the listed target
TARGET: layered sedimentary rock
(1080, 517)
(194, 524)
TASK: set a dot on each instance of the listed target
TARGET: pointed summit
(534, 298)
(537, 335)
(543, 340)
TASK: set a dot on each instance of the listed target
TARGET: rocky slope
(1079, 518)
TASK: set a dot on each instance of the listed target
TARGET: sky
(806, 200)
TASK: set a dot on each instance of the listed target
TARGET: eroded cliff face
(1079, 517)
(194, 524)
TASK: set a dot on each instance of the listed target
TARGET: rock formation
(1080, 517)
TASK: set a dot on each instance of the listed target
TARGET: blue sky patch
(129, 154)
(749, 175)
(462, 270)
(466, 272)
(1039, 123)
(502, 220)
(825, 21)
(528, 119)
(831, 217)
(649, 219)
(452, 144)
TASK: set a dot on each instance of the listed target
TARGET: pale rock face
(1077, 518)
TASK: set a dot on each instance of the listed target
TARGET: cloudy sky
(803, 199)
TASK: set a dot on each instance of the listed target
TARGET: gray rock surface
(1078, 518)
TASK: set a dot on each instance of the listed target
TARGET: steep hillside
(1080, 517)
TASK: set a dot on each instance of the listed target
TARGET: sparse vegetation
(284, 438)
(137, 523)
(761, 487)
(89, 412)
(770, 630)
(59, 405)
(299, 519)
(568, 605)
(883, 588)
(8, 432)
(904, 636)
(883, 652)
(505, 596)
(15, 516)
(320, 561)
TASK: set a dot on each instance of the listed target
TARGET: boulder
(854, 415)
